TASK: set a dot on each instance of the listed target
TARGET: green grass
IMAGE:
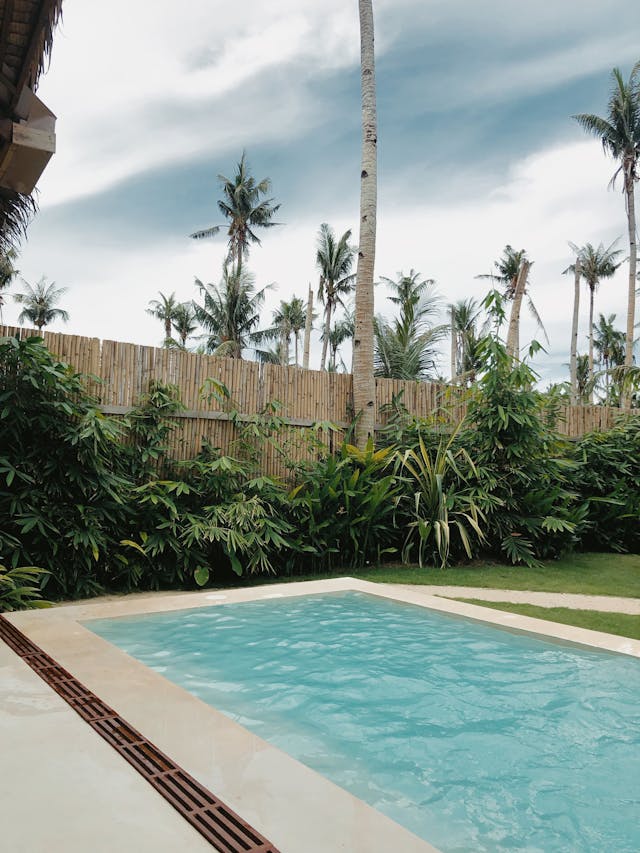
(622, 624)
(591, 574)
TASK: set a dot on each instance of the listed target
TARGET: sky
(477, 149)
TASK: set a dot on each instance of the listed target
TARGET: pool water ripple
(470, 736)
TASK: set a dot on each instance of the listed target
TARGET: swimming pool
(472, 737)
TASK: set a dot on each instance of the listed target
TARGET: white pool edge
(292, 805)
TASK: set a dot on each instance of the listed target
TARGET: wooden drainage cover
(217, 823)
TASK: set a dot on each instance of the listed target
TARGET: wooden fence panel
(123, 372)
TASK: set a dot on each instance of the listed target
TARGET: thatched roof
(26, 37)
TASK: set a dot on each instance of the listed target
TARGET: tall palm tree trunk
(573, 368)
(325, 336)
(625, 399)
(307, 330)
(591, 299)
(364, 387)
(513, 335)
(454, 345)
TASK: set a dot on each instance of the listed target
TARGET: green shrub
(344, 510)
(608, 480)
(524, 469)
(62, 490)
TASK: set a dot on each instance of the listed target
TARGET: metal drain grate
(220, 826)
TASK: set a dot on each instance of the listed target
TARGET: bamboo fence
(118, 374)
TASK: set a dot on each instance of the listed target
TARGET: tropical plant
(39, 303)
(440, 501)
(246, 209)
(523, 467)
(341, 331)
(512, 271)
(62, 473)
(230, 313)
(609, 343)
(607, 477)
(343, 511)
(334, 259)
(407, 348)
(619, 134)
(7, 273)
(594, 264)
(364, 385)
(164, 309)
(288, 319)
(584, 381)
(467, 334)
(20, 588)
(184, 322)
(16, 211)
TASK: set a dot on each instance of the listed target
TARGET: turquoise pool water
(473, 738)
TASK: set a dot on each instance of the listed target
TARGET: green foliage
(344, 510)
(441, 501)
(148, 429)
(608, 478)
(20, 588)
(523, 465)
(61, 479)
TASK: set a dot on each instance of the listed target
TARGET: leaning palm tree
(619, 134)
(230, 313)
(164, 309)
(595, 264)
(244, 205)
(407, 348)
(364, 385)
(512, 271)
(184, 322)
(7, 273)
(39, 301)
(334, 259)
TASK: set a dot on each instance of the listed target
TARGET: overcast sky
(476, 147)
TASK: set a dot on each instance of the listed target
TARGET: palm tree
(584, 382)
(244, 205)
(230, 313)
(406, 348)
(573, 358)
(39, 302)
(164, 309)
(466, 314)
(619, 134)
(364, 385)
(334, 259)
(184, 322)
(341, 331)
(289, 319)
(609, 343)
(595, 264)
(7, 273)
(512, 271)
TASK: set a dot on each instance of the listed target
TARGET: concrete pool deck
(86, 797)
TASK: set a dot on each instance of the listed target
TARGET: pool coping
(272, 791)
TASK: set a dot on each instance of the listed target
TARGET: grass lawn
(591, 574)
(611, 623)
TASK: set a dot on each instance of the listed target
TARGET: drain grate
(220, 826)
